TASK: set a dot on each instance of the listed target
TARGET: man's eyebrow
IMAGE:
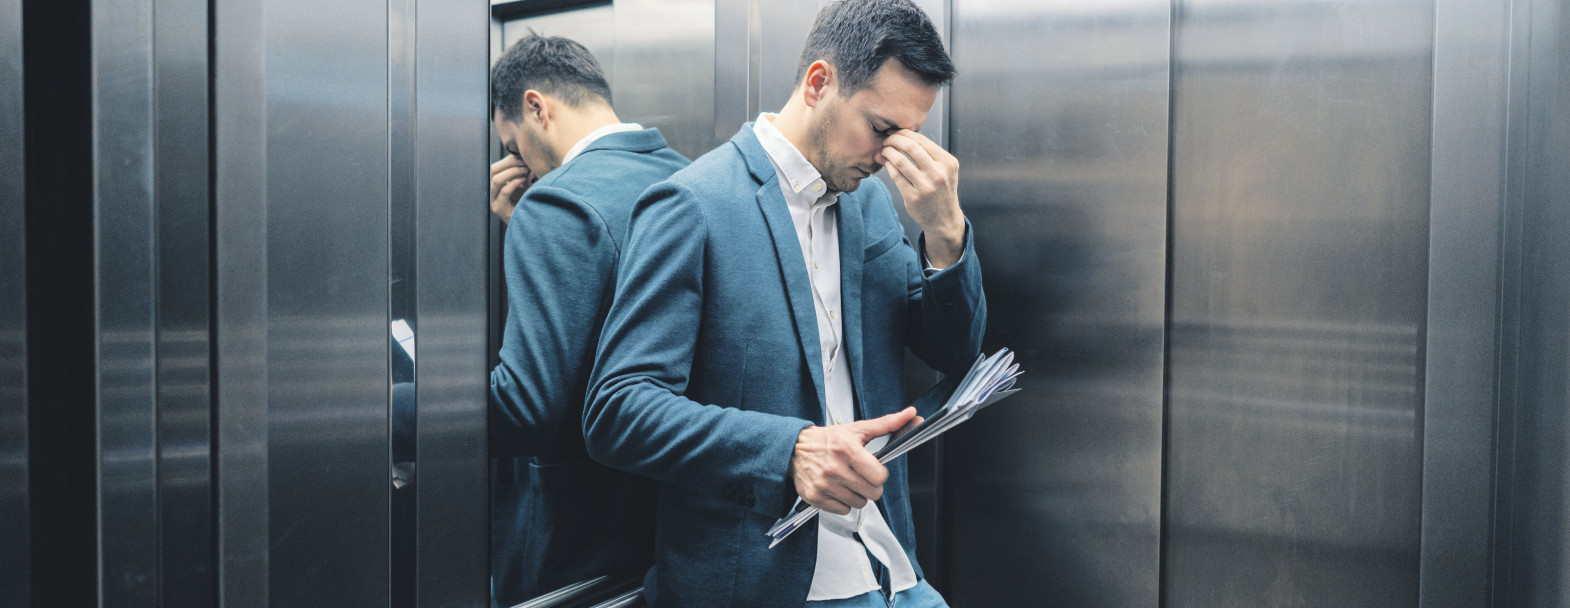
(887, 124)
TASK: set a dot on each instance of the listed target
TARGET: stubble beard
(817, 138)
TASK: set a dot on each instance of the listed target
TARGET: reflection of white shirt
(617, 127)
(843, 569)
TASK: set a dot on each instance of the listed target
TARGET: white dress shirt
(616, 127)
(843, 569)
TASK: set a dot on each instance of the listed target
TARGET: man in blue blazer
(764, 303)
(558, 517)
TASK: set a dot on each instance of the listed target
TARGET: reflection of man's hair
(549, 64)
(857, 36)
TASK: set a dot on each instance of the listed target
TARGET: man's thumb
(878, 427)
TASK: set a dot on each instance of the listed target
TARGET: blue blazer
(557, 517)
(709, 366)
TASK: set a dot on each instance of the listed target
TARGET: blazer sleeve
(559, 264)
(637, 418)
(947, 310)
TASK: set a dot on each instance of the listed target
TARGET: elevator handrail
(597, 592)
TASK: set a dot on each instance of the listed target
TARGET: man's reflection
(567, 189)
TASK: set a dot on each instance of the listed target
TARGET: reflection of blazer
(560, 518)
(708, 367)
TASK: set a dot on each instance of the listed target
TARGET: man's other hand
(832, 468)
(927, 177)
(509, 178)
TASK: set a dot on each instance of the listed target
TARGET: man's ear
(536, 107)
(819, 83)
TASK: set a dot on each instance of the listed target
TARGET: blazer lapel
(798, 290)
(852, 235)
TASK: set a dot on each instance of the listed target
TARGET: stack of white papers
(989, 381)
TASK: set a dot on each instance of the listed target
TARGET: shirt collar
(617, 127)
(796, 173)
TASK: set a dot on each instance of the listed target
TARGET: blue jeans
(920, 596)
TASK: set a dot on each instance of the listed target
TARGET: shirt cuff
(927, 267)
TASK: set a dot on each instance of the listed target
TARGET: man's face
(523, 140)
(846, 140)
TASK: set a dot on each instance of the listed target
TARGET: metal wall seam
(15, 515)
(451, 126)
(1467, 189)
(125, 275)
(182, 170)
(240, 253)
(402, 313)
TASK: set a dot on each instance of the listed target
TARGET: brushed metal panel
(181, 173)
(240, 251)
(1533, 550)
(125, 277)
(1300, 184)
(660, 71)
(451, 126)
(593, 27)
(327, 386)
(15, 516)
(1471, 95)
(1059, 119)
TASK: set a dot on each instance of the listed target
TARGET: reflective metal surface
(327, 302)
(1467, 173)
(1533, 539)
(1300, 185)
(451, 127)
(660, 70)
(181, 179)
(402, 311)
(240, 254)
(126, 286)
(593, 27)
(15, 517)
(1055, 498)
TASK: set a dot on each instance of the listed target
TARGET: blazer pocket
(884, 244)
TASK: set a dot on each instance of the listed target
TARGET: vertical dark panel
(184, 303)
(327, 302)
(15, 565)
(1300, 199)
(240, 254)
(125, 261)
(61, 371)
(1059, 120)
(1533, 548)
(403, 422)
(1471, 75)
(451, 127)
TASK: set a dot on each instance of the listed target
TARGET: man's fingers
(507, 175)
(904, 142)
(903, 170)
(506, 162)
(870, 475)
(914, 422)
(513, 190)
(831, 505)
(878, 427)
(933, 149)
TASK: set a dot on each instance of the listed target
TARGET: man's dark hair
(858, 36)
(549, 64)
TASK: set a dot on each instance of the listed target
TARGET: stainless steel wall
(1467, 179)
(15, 516)
(1532, 546)
(1059, 119)
(349, 145)
(1300, 183)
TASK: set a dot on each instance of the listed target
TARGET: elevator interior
(1290, 279)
